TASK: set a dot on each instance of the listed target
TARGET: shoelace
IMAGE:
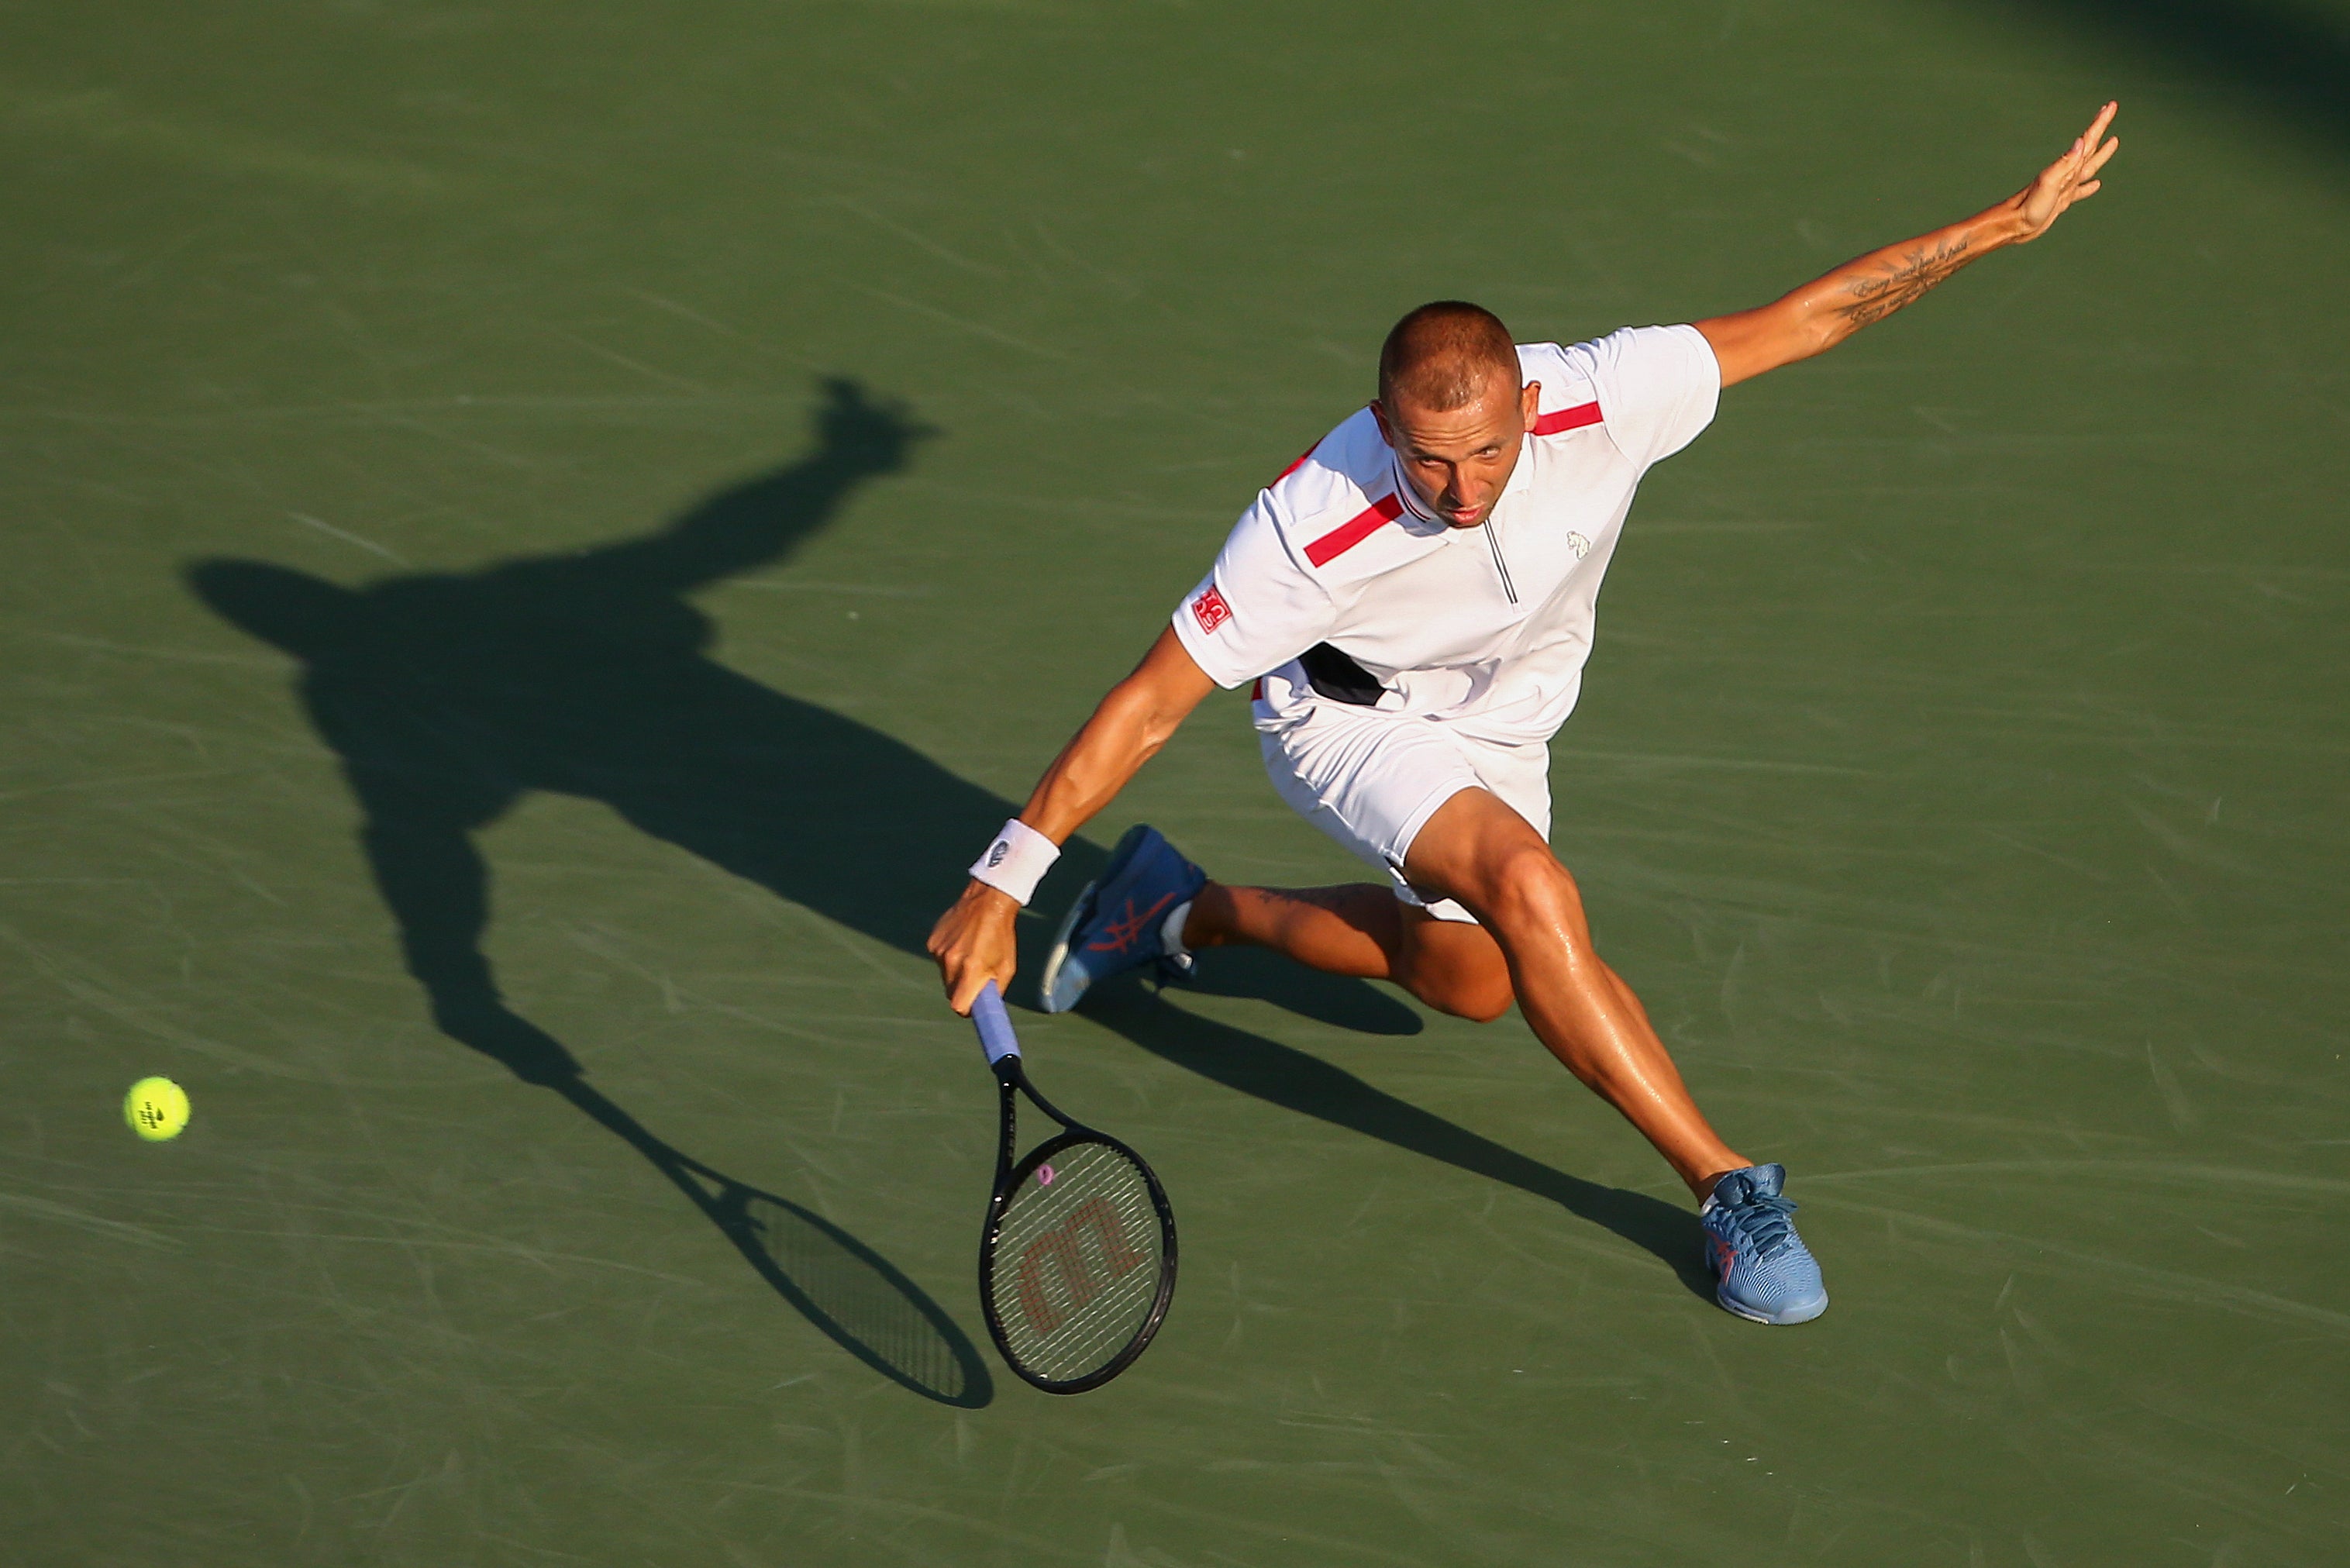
(1763, 1223)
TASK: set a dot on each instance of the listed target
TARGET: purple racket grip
(994, 1025)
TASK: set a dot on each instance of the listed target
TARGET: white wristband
(1016, 861)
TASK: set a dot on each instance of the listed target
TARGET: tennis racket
(1077, 1265)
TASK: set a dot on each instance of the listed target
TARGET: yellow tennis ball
(156, 1109)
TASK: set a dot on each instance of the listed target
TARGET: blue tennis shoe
(1119, 922)
(1761, 1268)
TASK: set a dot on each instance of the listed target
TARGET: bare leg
(1355, 930)
(1363, 931)
(1479, 851)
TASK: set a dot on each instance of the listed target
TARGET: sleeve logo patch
(1211, 610)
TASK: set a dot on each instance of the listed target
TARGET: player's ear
(1530, 404)
(1379, 416)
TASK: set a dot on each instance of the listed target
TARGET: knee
(1528, 890)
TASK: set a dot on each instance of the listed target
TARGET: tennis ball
(156, 1109)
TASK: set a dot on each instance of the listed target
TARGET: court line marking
(977, 328)
(99, 994)
(877, 590)
(96, 1224)
(912, 237)
(514, 1250)
(2135, 1169)
(1734, 765)
(2193, 1289)
(181, 655)
(369, 545)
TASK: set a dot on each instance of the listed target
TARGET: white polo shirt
(1485, 627)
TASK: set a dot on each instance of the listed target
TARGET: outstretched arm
(974, 940)
(1829, 309)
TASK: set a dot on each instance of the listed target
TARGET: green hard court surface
(539, 538)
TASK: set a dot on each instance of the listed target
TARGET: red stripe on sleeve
(1302, 456)
(1348, 535)
(1293, 467)
(1564, 420)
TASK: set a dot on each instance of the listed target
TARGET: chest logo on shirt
(1211, 610)
(1579, 545)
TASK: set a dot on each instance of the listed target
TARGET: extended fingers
(2090, 152)
(2086, 156)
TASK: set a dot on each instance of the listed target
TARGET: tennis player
(1413, 601)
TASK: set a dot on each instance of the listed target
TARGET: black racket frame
(1012, 1082)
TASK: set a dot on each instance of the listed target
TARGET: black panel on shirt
(1339, 677)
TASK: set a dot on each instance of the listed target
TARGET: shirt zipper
(1493, 540)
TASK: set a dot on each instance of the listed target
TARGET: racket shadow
(850, 1293)
(855, 1295)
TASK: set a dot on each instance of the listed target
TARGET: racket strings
(1067, 1345)
(1077, 1265)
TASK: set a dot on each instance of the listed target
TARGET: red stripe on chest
(1561, 421)
(1354, 530)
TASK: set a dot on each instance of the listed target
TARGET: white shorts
(1371, 780)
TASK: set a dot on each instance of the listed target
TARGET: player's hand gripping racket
(1077, 1262)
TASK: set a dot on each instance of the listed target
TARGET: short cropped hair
(1441, 355)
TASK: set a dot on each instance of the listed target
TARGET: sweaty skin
(1533, 944)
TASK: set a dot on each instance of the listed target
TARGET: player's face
(1457, 461)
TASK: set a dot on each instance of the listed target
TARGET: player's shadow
(2279, 56)
(1299, 1081)
(448, 696)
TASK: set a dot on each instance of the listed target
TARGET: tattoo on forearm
(1879, 294)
